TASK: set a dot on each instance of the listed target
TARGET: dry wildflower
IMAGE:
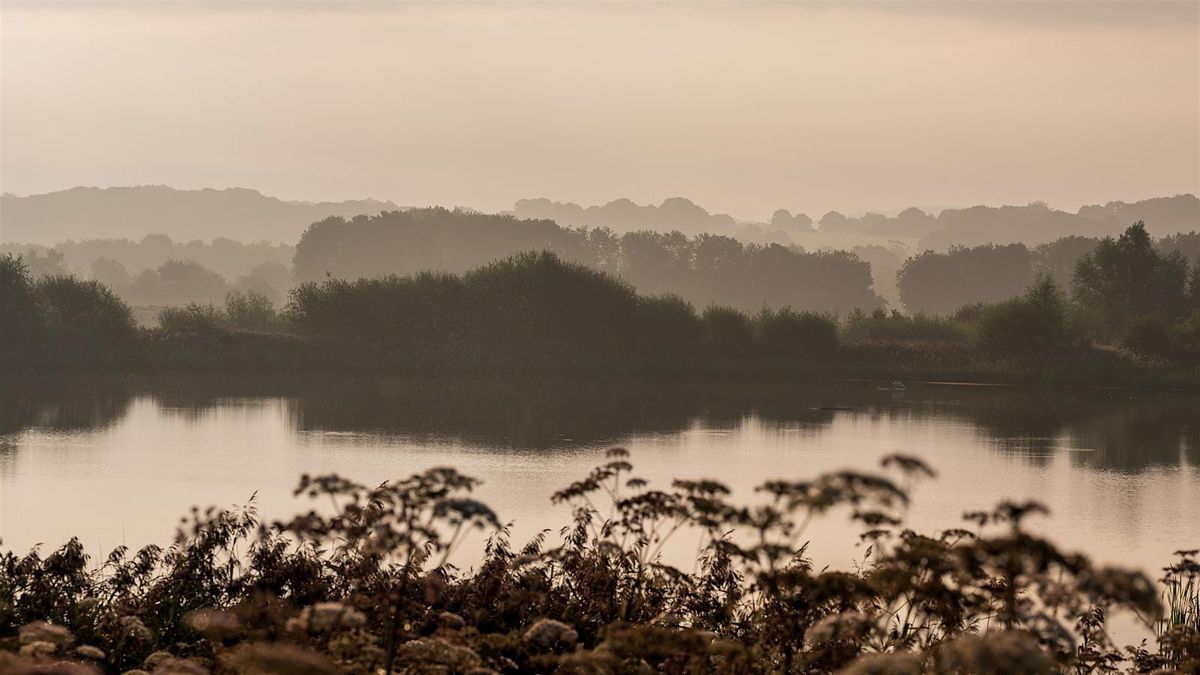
(132, 628)
(90, 653)
(38, 649)
(996, 653)
(276, 659)
(551, 635)
(885, 664)
(432, 652)
(176, 666)
(1125, 587)
(846, 627)
(40, 631)
(326, 617)
(451, 621)
(214, 624)
(367, 584)
(155, 659)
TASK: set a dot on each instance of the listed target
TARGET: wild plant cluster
(364, 583)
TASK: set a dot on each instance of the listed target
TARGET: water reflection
(1118, 430)
(123, 457)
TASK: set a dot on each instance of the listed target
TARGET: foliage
(1127, 277)
(940, 283)
(894, 326)
(87, 325)
(536, 311)
(727, 331)
(192, 318)
(21, 321)
(365, 584)
(242, 311)
(61, 322)
(176, 282)
(785, 333)
(248, 310)
(1148, 334)
(1035, 323)
(702, 269)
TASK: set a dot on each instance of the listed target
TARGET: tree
(87, 325)
(110, 273)
(21, 325)
(177, 282)
(1128, 277)
(941, 283)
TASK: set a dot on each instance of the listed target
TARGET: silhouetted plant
(784, 333)
(1035, 323)
(191, 319)
(364, 581)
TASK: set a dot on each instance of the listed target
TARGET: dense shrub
(242, 311)
(21, 321)
(1187, 336)
(87, 325)
(727, 331)
(61, 322)
(1149, 334)
(894, 326)
(249, 310)
(1035, 323)
(1154, 335)
(668, 326)
(193, 318)
(784, 333)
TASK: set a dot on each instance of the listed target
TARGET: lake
(117, 461)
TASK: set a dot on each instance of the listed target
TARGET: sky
(744, 108)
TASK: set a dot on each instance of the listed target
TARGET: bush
(880, 325)
(87, 325)
(21, 321)
(786, 333)
(1187, 336)
(726, 331)
(668, 326)
(1035, 323)
(194, 319)
(1150, 335)
(61, 321)
(249, 311)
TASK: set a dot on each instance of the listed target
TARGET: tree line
(1126, 289)
(702, 269)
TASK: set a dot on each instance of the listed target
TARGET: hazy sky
(744, 108)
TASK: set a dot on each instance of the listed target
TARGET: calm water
(116, 462)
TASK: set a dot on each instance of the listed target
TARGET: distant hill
(247, 215)
(623, 215)
(1032, 224)
(183, 215)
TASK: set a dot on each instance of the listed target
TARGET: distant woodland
(914, 262)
